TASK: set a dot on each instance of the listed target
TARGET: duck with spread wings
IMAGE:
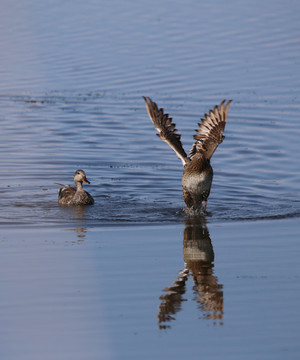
(198, 173)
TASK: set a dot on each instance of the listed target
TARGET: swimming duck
(198, 174)
(70, 195)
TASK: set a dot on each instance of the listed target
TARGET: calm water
(133, 274)
(225, 291)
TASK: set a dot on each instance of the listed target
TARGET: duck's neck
(79, 186)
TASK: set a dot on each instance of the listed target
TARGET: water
(228, 290)
(134, 177)
(72, 81)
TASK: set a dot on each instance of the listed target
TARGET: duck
(71, 195)
(197, 170)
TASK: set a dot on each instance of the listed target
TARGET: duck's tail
(60, 184)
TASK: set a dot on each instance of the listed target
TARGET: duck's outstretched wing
(210, 132)
(166, 129)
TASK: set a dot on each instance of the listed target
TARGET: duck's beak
(203, 148)
(85, 180)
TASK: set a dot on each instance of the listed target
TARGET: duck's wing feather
(210, 131)
(166, 129)
(66, 194)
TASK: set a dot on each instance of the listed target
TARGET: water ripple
(71, 97)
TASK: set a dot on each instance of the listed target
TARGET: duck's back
(69, 195)
(66, 194)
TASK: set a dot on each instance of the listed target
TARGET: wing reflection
(199, 257)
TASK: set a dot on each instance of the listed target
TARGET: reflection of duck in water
(81, 233)
(199, 256)
(198, 173)
(70, 195)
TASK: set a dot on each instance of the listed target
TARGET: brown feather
(210, 131)
(167, 131)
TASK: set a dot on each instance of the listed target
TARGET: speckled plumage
(196, 181)
(198, 173)
(70, 195)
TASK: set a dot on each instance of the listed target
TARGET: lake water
(133, 276)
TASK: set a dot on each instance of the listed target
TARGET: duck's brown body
(70, 195)
(196, 181)
(198, 173)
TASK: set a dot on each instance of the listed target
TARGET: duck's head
(80, 177)
(200, 146)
